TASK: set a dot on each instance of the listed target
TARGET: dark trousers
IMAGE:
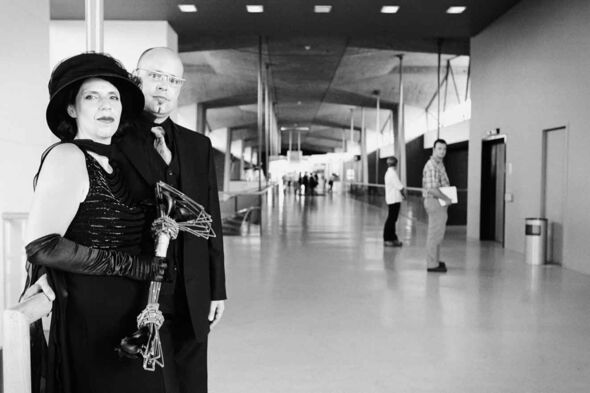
(389, 228)
(185, 359)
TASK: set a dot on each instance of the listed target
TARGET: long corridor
(316, 304)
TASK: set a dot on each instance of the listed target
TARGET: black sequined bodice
(107, 218)
(101, 310)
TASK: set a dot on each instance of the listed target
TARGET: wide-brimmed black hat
(79, 68)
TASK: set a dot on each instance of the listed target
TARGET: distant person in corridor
(395, 192)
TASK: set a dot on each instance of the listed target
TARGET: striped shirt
(434, 175)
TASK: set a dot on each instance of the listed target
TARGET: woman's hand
(41, 286)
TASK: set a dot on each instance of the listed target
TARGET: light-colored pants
(437, 221)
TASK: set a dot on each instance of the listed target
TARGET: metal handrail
(247, 192)
(383, 186)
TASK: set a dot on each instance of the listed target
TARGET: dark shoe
(441, 268)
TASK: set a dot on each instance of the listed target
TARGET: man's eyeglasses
(160, 76)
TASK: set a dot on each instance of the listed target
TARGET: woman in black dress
(85, 233)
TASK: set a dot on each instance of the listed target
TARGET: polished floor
(318, 305)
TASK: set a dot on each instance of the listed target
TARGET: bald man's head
(160, 71)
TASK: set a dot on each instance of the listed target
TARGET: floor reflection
(318, 305)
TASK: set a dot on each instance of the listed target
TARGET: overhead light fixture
(389, 9)
(294, 127)
(307, 47)
(187, 7)
(322, 9)
(255, 9)
(456, 10)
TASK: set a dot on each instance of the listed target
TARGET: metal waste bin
(536, 240)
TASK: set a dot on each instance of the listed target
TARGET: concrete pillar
(400, 140)
(201, 119)
(352, 125)
(243, 152)
(379, 137)
(364, 161)
(260, 112)
(94, 25)
(227, 161)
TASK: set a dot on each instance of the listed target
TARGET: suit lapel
(188, 159)
(136, 151)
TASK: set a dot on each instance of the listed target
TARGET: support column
(201, 119)
(260, 114)
(400, 139)
(438, 90)
(379, 136)
(243, 151)
(352, 125)
(364, 161)
(227, 161)
(266, 123)
(94, 12)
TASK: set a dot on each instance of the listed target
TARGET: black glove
(56, 252)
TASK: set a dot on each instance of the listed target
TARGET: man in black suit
(158, 149)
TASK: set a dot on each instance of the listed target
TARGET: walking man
(435, 176)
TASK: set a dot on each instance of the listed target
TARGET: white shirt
(393, 187)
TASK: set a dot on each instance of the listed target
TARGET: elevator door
(492, 190)
(554, 188)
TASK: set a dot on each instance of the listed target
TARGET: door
(493, 180)
(554, 179)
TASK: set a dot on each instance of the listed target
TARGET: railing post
(17, 353)
(16, 363)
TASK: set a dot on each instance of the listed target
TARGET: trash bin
(536, 240)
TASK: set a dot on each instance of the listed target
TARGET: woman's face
(97, 110)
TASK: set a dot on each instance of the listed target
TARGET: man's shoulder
(429, 164)
(188, 133)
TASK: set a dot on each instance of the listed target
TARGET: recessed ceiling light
(187, 7)
(456, 10)
(307, 47)
(255, 9)
(389, 9)
(322, 9)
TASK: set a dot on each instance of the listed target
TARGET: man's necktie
(160, 144)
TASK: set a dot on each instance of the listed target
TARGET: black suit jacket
(203, 260)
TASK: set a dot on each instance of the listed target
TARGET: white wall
(186, 116)
(455, 133)
(24, 28)
(124, 40)
(529, 73)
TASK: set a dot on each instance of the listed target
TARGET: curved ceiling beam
(224, 102)
(342, 97)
